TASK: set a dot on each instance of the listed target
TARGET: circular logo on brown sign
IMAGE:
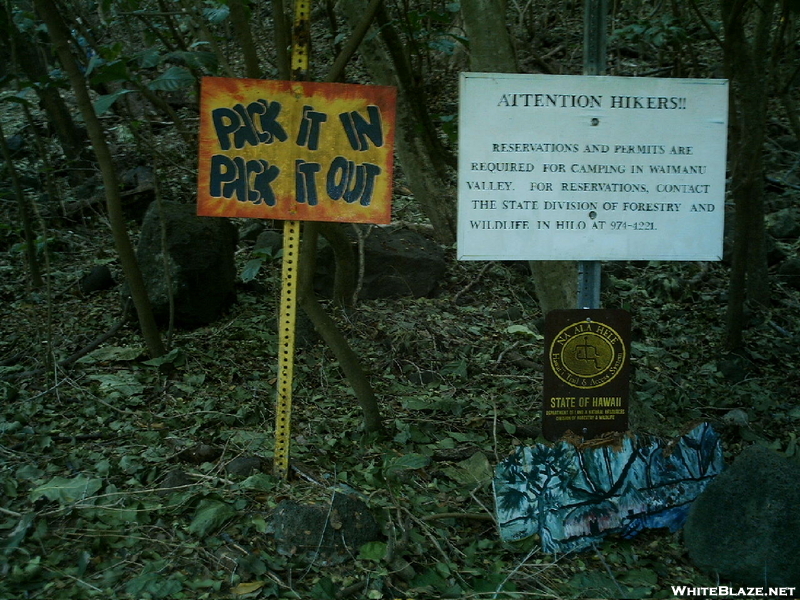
(587, 354)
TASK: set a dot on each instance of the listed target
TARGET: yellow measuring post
(286, 327)
(289, 274)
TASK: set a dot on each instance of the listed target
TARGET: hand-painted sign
(296, 150)
(586, 372)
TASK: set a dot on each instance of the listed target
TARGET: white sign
(560, 167)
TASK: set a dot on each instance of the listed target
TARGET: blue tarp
(575, 496)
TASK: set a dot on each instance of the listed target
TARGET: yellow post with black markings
(291, 255)
(286, 320)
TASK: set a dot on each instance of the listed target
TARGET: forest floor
(115, 471)
(87, 449)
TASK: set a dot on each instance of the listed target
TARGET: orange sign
(296, 150)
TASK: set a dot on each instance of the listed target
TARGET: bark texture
(492, 51)
(59, 35)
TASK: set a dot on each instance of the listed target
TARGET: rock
(200, 252)
(398, 263)
(745, 526)
(199, 454)
(783, 224)
(268, 242)
(243, 466)
(735, 367)
(175, 481)
(775, 252)
(508, 314)
(789, 272)
(96, 280)
(250, 230)
(322, 534)
(138, 190)
(16, 145)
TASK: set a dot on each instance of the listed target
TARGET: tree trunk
(24, 214)
(328, 330)
(241, 26)
(492, 51)
(25, 54)
(747, 65)
(307, 300)
(422, 161)
(59, 35)
(281, 33)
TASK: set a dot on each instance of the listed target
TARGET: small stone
(243, 466)
(175, 481)
(268, 242)
(96, 280)
(324, 534)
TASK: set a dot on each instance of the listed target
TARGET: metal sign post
(295, 151)
(289, 274)
(594, 63)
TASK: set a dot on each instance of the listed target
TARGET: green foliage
(260, 257)
(658, 32)
(104, 493)
(67, 491)
(210, 515)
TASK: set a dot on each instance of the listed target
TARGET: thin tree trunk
(423, 165)
(241, 26)
(307, 300)
(24, 215)
(282, 37)
(327, 328)
(492, 51)
(59, 35)
(25, 54)
(747, 64)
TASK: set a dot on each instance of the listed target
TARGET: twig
(80, 581)
(489, 513)
(705, 23)
(472, 282)
(321, 536)
(76, 355)
(503, 353)
(214, 478)
(608, 570)
(434, 541)
(513, 571)
(494, 430)
(458, 515)
(11, 513)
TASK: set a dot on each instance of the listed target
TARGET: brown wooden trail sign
(586, 371)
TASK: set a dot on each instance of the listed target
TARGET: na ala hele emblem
(587, 354)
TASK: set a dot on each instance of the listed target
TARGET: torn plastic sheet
(574, 497)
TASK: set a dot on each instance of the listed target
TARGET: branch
(337, 70)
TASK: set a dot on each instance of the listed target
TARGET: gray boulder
(397, 263)
(745, 526)
(200, 255)
(783, 224)
(324, 534)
